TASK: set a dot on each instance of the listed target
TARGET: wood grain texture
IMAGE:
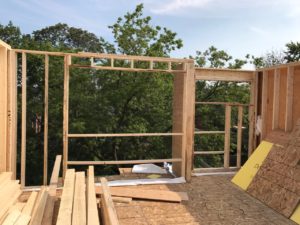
(277, 182)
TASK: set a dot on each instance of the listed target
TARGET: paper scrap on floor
(148, 168)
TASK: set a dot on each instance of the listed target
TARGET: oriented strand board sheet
(277, 183)
(246, 174)
(296, 215)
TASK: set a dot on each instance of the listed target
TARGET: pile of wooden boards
(78, 203)
(39, 207)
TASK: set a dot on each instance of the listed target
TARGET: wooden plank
(4, 44)
(12, 217)
(23, 126)
(223, 75)
(79, 203)
(106, 56)
(208, 152)
(9, 194)
(122, 162)
(215, 170)
(209, 132)
(28, 208)
(47, 218)
(223, 103)
(12, 108)
(46, 96)
(189, 114)
(4, 209)
(37, 215)
(227, 136)
(252, 117)
(239, 137)
(5, 176)
(123, 135)
(67, 62)
(66, 204)
(109, 213)
(3, 108)
(178, 122)
(169, 196)
(276, 98)
(289, 100)
(122, 199)
(264, 104)
(92, 211)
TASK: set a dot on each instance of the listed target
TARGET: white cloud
(176, 5)
(260, 31)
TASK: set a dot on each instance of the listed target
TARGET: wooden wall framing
(277, 103)
(8, 109)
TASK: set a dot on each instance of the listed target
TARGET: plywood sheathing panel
(277, 183)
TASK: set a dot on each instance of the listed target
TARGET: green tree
(292, 54)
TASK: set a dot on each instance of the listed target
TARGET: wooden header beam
(211, 74)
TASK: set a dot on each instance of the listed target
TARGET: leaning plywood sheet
(277, 183)
(246, 174)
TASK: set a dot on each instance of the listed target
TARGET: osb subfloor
(214, 200)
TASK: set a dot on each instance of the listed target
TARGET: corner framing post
(12, 113)
(24, 111)
(289, 99)
(227, 136)
(264, 104)
(189, 112)
(252, 114)
(178, 142)
(67, 62)
(45, 178)
(3, 105)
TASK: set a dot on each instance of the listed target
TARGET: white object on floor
(148, 168)
(115, 183)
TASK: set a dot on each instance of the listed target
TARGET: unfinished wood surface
(208, 152)
(189, 114)
(66, 205)
(264, 104)
(270, 99)
(227, 136)
(123, 135)
(209, 132)
(92, 211)
(296, 96)
(37, 215)
(239, 137)
(178, 123)
(121, 199)
(282, 99)
(223, 103)
(79, 203)
(289, 99)
(25, 216)
(12, 114)
(108, 211)
(46, 94)
(23, 126)
(277, 183)
(252, 117)
(223, 75)
(276, 98)
(122, 162)
(3, 108)
(12, 217)
(48, 214)
(168, 196)
(67, 62)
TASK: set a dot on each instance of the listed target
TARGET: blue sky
(237, 26)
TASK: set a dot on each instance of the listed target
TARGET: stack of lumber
(39, 206)
(78, 201)
(10, 191)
